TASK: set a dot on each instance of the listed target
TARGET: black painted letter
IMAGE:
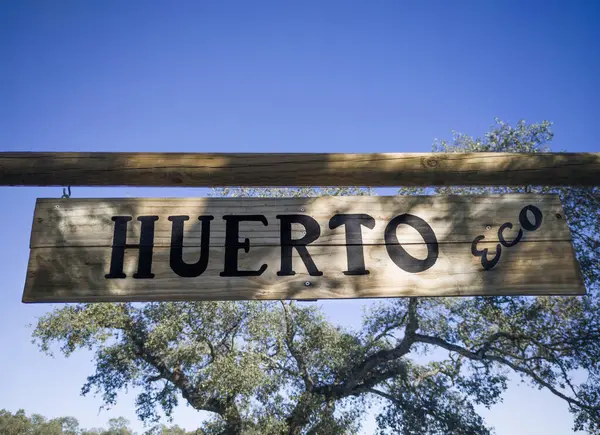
(501, 235)
(118, 247)
(398, 254)
(487, 264)
(313, 231)
(232, 245)
(146, 245)
(524, 219)
(354, 248)
(176, 262)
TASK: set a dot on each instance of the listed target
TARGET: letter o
(398, 254)
(524, 219)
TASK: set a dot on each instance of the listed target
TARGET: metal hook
(66, 192)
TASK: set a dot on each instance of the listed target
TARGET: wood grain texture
(77, 275)
(295, 169)
(87, 222)
(72, 244)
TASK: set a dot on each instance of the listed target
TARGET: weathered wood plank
(295, 169)
(87, 222)
(410, 246)
(77, 274)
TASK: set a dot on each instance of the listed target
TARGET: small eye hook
(66, 192)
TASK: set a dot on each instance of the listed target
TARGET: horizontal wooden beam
(208, 170)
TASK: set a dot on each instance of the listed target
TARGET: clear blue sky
(266, 76)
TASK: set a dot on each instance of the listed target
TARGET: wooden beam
(208, 170)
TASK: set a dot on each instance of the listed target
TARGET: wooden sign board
(165, 249)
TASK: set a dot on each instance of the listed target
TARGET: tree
(19, 424)
(171, 430)
(15, 424)
(118, 426)
(282, 368)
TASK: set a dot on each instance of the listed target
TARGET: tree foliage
(282, 368)
(21, 424)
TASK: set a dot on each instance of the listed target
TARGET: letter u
(176, 262)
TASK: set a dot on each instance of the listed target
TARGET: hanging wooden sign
(165, 249)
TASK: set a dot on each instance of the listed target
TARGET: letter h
(120, 244)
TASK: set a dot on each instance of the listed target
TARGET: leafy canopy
(20, 424)
(282, 368)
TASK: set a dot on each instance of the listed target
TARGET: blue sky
(267, 76)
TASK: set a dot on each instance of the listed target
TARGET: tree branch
(497, 335)
(201, 336)
(384, 356)
(176, 377)
(289, 341)
(277, 365)
(382, 394)
(211, 347)
(365, 375)
(386, 330)
(475, 356)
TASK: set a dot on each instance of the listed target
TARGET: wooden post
(273, 170)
